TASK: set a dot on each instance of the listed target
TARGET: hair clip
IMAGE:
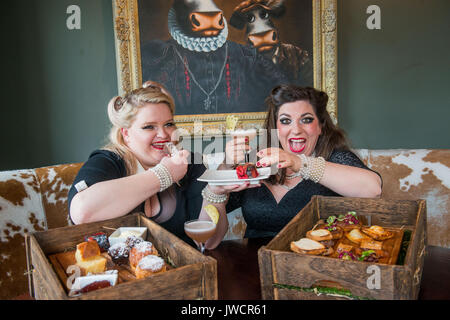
(118, 103)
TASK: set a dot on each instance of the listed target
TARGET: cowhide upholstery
(30, 200)
(36, 199)
(417, 174)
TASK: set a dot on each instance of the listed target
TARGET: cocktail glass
(250, 134)
(200, 231)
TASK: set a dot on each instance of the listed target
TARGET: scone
(141, 250)
(149, 265)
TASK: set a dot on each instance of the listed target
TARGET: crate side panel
(209, 282)
(304, 271)
(181, 283)
(266, 273)
(415, 257)
(45, 281)
(383, 212)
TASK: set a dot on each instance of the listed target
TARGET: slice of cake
(88, 257)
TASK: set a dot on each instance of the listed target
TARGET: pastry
(141, 250)
(246, 171)
(149, 265)
(88, 257)
(308, 246)
(132, 240)
(119, 253)
(378, 233)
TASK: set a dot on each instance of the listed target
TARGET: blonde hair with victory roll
(122, 112)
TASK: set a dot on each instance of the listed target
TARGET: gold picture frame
(129, 72)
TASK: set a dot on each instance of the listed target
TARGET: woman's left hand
(284, 159)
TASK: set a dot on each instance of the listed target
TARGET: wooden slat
(266, 275)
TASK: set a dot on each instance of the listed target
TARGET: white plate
(229, 177)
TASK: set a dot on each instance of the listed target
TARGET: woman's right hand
(177, 164)
(235, 149)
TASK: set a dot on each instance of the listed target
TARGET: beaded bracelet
(312, 168)
(164, 176)
(212, 197)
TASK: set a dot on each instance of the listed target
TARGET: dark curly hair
(332, 138)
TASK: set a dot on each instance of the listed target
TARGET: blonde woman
(133, 173)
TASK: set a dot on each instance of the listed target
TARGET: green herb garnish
(331, 220)
(365, 254)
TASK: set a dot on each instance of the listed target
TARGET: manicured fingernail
(279, 166)
(258, 164)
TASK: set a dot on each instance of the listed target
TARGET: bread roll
(308, 246)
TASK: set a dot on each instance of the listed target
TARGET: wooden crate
(288, 275)
(193, 277)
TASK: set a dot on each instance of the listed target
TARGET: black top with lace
(105, 165)
(265, 217)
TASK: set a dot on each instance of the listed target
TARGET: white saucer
(229, 177)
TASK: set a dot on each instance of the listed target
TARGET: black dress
(265, 217)
(104, 165)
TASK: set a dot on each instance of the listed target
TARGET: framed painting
(221, 57)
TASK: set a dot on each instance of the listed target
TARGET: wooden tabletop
(238, 272)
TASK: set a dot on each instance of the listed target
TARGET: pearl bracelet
(212, 197)
(164, 176)
(312, 168)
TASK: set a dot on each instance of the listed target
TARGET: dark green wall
(59, 81)
(393, 84)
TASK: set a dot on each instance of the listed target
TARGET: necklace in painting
(207, 102)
